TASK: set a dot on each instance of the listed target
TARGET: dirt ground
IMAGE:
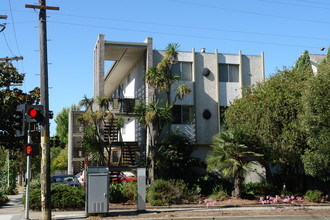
(229, 207)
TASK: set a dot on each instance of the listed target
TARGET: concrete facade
(125, 79)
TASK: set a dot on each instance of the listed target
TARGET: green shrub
(258, 189)
(313, 195)
(168, 192)
(116, 193)
(67, 197)
(3, 198)
(162, 192)
(130, 192)
(63, 197)
(219, 193)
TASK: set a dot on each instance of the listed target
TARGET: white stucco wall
(206, 97)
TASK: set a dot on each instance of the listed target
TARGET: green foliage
(3, 197)
(259, 189)
(62, 122)
(116, 193)
(168, 192)
(12, 177)
(173, 158)
(60, 162)
(219, 193)
(63, 197)
(130, 191)
(230, 157)
(313, 195)
(123, 192)
(10, 97)
(316, 122)
(271, 113)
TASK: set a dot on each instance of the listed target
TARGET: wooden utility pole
(44, 98)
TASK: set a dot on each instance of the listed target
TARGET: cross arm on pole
(42, 7)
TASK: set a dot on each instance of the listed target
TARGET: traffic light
(34, 113)
(19, 120)
(32, 149)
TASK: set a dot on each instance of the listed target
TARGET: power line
(4, 36)
(185, 35)
(323, 3)
(12, 19)
(197, 28)
(293, 4)
(250, 12)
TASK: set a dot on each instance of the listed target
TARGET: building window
(183, 69)
(115, 156)
(182, 114)
(222, 114)
(229, 72)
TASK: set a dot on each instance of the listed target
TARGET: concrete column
(263, 66)
(141, 181)
(150, 91)
(240, 71)
(217, 86)
(99, 67)
(70, 142)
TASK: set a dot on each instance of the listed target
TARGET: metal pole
(28, 177)
(44, 131)
(8, 176)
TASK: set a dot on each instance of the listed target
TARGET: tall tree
(316, 122)
(62, 123)
(271, 113)
(10, 97)
(155, 115)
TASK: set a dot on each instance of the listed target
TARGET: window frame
(229, 74)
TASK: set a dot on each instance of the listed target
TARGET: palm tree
(231, 158)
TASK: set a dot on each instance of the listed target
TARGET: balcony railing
(124, 106)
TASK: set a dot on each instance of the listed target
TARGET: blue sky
(282, 29)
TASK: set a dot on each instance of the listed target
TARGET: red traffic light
(32, 149)
(33, 112)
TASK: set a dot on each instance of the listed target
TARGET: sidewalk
(14, 210)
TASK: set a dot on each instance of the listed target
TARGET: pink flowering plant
(283, 199)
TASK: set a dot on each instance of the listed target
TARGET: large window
(182, 114)
(183, 69)
(229, 72)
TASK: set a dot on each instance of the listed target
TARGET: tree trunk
(237, 186)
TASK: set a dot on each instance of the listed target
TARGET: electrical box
(97, 189)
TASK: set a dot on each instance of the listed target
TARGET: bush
(3, 198)
(168, 192)
(258, 189)
(123, 192)
(313, 195)
(219, 193)
(63, 197)
(130, 192)
(116, 192)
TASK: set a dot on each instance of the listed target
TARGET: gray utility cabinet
(97, 190)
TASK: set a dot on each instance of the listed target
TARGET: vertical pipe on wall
(217, 85)
(240, 71)
(263, 66)
(194, 89)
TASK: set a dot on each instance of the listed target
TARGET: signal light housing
(19, 120)
(34, 113)
(32, 149)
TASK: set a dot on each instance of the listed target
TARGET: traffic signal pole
(44, 97)
(28, 176)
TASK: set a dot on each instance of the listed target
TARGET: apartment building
(215, 80)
